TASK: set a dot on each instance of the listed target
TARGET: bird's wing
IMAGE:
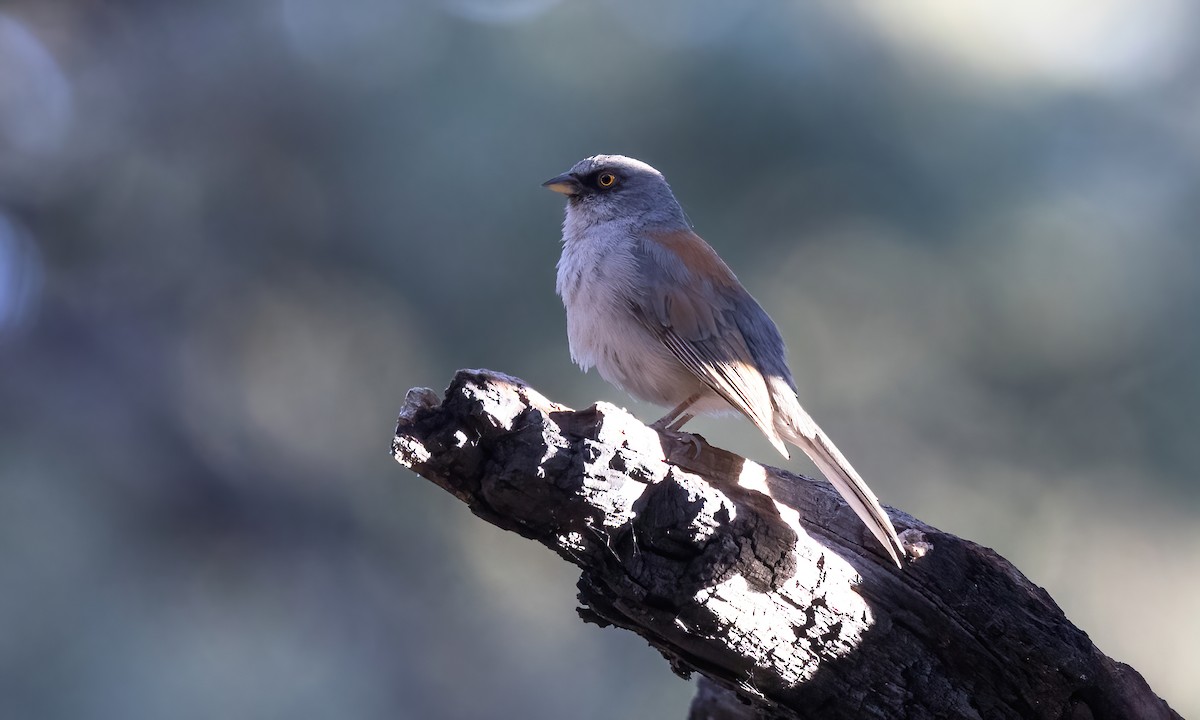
(689, 298)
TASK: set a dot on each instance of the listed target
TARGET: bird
(660, 315)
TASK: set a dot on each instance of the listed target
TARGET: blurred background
(233, 233)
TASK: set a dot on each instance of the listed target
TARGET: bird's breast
(597, 280)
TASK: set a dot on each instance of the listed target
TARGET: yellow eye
(606, 180)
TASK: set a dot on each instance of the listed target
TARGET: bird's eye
(606, 180)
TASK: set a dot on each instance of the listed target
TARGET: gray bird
(660, 315)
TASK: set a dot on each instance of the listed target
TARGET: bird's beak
(567, 184)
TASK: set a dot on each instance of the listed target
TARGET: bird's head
(613, 187)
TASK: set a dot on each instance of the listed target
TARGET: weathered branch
(763, 581)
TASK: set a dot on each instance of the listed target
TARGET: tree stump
(763, 581)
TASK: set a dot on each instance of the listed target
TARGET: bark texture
(763, 581)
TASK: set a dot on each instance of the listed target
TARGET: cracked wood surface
(763, 581)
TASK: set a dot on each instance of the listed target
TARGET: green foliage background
(234, 232)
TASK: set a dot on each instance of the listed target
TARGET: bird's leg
(680, 422)
(677, 417)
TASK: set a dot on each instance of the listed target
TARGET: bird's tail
(798, 428)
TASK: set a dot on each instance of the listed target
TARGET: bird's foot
(692, 443)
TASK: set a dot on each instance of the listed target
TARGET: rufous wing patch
(697, 256)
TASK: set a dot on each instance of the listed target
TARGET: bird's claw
(693, 442)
